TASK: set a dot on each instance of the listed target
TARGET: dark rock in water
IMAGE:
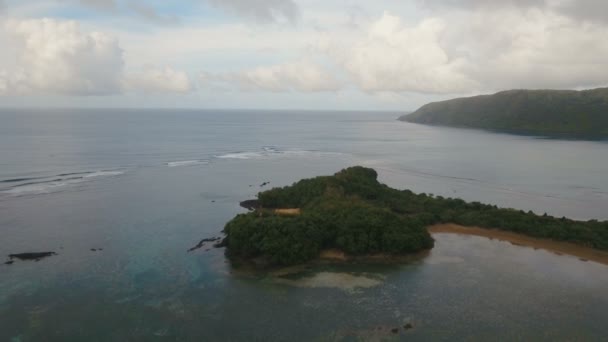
(221, 244)
(408, 326)
(93, 250)
(213, 201)
(250, 204)
(202, 243)
(31, 256)
(10, 262)
(395, 330)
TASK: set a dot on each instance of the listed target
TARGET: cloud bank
(58, 57)
(391, 56)
(302, 76)
(160, 80)
(422, 49)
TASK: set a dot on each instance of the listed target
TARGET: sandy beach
(583, 253)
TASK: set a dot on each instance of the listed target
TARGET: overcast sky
(305, 54)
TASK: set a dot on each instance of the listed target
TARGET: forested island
(551, 113)
(352, 212)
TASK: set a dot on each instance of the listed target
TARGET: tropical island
(551, 113)
(354, 213)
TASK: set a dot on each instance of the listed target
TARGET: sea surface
(143, 186)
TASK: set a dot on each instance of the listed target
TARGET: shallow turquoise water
(146, 186)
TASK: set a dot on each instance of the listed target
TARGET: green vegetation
(553, 113)
(336, 212)
(355, 213)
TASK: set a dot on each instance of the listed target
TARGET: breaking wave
(45, 185)
(187, 163)
(272, 152)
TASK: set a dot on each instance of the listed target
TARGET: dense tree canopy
(353, 212)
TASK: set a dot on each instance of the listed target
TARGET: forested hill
(553, 113)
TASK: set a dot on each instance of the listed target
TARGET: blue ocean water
(146, 185)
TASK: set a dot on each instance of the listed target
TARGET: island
(352, 212)
(549, 113)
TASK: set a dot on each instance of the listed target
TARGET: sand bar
(557, 247)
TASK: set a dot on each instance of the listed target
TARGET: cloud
(13, 83)
(261, 10)
(160, 80)
(444, 48)
(391, 56)
(452, 53)
(478, 51)
(105, 5)
(149, 13)
(57, 57)
(302, 76)
(533, 49)
(138, 8)
(475, 4)
(587, 10)
(590, 10)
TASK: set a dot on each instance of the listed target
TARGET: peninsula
(550, 113)
(354, 213)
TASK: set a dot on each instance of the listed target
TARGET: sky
(294, 54)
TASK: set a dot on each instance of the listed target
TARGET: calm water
(147, 185)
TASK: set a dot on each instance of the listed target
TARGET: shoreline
(337, 256)
(556, 247)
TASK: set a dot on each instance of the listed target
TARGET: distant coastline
(566, 114)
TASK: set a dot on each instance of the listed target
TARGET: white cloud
(470, 52)
(441, 49)
(302, 76)
(57, 57)
(262, 10)
(13, 83)
(394, 57)
(530, 49)
(160, 80)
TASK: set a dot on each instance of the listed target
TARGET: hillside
(552, 113)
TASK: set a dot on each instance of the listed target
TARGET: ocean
(121, 195)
